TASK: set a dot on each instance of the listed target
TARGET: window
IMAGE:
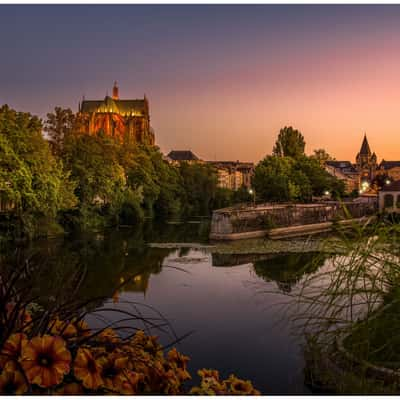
(388, 201)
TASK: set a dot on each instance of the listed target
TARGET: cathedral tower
(115, 92)
(366, 162)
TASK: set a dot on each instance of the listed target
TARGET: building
(390, 169)
(345, 171)
(127, 120)
(358, 176)
(233, 174)
(389, 197)
(366, 162)
(178, 156)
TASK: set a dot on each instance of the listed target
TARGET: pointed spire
(115, 92)
(365, 150)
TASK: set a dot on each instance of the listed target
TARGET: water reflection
(200, 290)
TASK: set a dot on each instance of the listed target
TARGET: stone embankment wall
(242, 222)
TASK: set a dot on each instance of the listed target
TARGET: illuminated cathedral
(125, 120)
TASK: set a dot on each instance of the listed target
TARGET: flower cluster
(211, 384)
(60, 362)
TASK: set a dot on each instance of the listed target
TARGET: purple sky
(221, 80)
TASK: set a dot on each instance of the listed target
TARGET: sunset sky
(221, 80)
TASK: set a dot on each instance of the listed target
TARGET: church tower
(366, 162)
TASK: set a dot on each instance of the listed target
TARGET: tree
(322, 156)
(288, 179)
(200, 186)
(271, 179)
(59, 125)
(101, 181)
(290, 143)
(30, 177)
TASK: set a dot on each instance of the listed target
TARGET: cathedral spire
(115, 94)
(365, 149)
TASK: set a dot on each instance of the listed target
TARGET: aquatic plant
(342, 308)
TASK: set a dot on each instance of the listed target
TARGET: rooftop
(389, 164)
(114, 105)
(182, 155)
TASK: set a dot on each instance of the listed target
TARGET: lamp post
(253, 193)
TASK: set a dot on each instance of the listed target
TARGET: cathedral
(125, 120)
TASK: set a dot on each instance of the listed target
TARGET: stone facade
(125, 120)
(263, 217)
(233, 174)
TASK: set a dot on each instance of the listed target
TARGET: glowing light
(387, 181)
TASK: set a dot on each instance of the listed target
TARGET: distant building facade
(346, 172)
(389, 197)
(125, 120)
(360, 175)
(390, 169)
(233, 174)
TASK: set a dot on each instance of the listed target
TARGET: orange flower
(108, 335)
(12, 383)
(208, 373)
(113, 370)
(45, 360)
(171, 383)
(239, 386)
(88, 369)
(131, 383)
(71, 389)
(177, 358)
(64, 329)
(82, 328)
(12, 348)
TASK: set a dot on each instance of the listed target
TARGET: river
(231, 305)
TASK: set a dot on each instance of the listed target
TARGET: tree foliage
(289, 175)
(290, 143)
(31, 179)
(322, 156)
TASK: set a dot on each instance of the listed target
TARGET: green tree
(59, 125)
(288, 179)
(200, 186)
(271, 179)
(94, 164)
(322, 156)
(290, 143)
(320, 180)
(30, 177)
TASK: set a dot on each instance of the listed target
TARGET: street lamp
(253, 193)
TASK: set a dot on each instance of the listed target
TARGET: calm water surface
(232, 305)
